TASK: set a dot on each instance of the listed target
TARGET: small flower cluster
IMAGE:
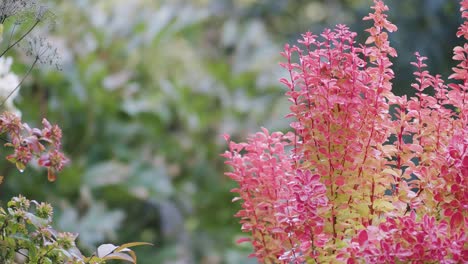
(41, 242)
(27, 236)
(30, 143)
(367, 176)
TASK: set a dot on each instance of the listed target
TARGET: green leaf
(20, 166)
(46, 261)
(20, 236)
(36, 221)
(107, 173)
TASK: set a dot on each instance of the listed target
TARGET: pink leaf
(340, 181)
(362, 237)
(243, 240)
(456, 220)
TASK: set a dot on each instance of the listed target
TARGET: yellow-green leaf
(20, 166)
(391, 172)
(383, 206)
(132, 244)
(362, 209)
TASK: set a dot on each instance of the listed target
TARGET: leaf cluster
(27, 236)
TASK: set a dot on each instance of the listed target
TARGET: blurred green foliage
(148, 88)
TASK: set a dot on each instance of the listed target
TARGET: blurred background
(148, 87)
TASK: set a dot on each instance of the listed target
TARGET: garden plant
(365, 176)
(26, 232)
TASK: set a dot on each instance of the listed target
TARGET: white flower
(8, 82)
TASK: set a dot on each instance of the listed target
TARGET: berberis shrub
(366, 176)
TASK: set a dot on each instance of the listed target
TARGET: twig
(22, 80)
(21, 38)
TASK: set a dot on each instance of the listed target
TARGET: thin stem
(11, 34)
(89, 260)
(22, 80)
(21, 38)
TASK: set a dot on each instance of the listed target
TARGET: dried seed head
(10, 8)
(42, 51)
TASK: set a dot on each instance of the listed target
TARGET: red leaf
(438, 197)
(340, 180)
(318, 230)
(362, 237)
(243, 240)
(465, 161)
(456, 220)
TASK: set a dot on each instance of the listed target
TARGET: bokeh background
(148, 87)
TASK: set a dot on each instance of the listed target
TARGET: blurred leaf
(107, 173)
(94, 226)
